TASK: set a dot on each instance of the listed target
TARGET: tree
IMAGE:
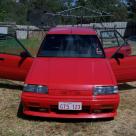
(115, 7)
(12, 12)
(131, 5)
(17, 10)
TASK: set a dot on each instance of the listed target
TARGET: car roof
(72, 30)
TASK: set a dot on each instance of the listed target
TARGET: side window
(109, 39)
(121, 41)
(9, 45)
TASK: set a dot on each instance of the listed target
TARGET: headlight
(105, 90)
(35, 89)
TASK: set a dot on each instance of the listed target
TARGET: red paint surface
(126, 50)
(14, 67)
(50, 103)
(72, 80)
(72, 30)
(125, 70)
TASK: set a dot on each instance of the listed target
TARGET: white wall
(3, 30)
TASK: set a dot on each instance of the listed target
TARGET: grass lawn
(12, 46)
(32, 45)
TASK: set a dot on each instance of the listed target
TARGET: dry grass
(10, 125)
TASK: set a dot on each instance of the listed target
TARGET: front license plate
(70, 106)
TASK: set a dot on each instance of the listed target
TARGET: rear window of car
(86, 46)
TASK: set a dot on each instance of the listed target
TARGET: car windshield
(86, 46)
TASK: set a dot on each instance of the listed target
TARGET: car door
(112, 40)
(124, 69)
(15, 60)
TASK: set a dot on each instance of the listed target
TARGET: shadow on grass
(126, 86)
(58, 120)
(11, 86)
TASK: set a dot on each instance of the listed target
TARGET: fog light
(107, 107)
(43, 109)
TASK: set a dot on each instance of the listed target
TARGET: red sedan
(70, 77)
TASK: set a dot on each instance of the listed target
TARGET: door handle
(1, 59)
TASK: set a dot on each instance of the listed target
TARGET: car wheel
(20, 111)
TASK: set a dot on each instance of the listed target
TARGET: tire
(20, 111)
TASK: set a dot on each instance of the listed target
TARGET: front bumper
(93, 107)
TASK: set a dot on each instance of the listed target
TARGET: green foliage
(3, 14)
(132, 10)
(115, 7)
(47, 5)
(10, 10)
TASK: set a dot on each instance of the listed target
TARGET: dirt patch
(10, 125)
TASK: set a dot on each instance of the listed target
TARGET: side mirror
(24, 54)
(118, 55)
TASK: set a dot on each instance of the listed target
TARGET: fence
(126, 29)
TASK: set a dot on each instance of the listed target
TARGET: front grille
(54, 108)
(38, 109)
(102, 111)
(70, 92)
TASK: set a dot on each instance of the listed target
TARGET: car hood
(72, 72)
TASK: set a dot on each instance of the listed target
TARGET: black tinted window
(71, 46)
